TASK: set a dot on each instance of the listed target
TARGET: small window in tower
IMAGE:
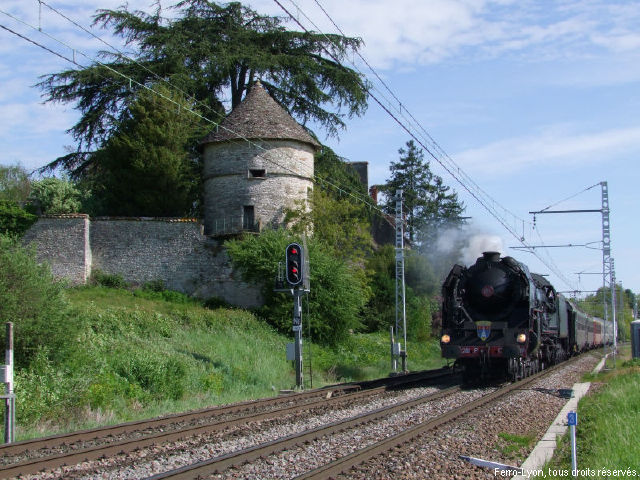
(257, 173)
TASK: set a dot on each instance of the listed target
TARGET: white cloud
(548, 147)
(406, 32)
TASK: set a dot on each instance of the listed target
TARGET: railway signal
(294, 265)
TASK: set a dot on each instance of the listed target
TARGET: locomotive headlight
(521, 338)
(445, 338)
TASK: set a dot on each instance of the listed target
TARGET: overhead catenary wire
(316, 178)
(448, 168)
(443, 154)
(444, 157)
(364, 198)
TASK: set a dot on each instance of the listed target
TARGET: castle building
(257, 163)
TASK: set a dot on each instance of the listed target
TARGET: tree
(428, 203)
(146, 167)
(207, 51)
(342, 225)
(14, 220)
(338, 290)
(332, 170)
(55, 196)
(14, 184)
(380, 311)
(15, 187)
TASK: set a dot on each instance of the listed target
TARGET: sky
(530, 103)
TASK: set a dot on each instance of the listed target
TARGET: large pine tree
(428, 203)
(211, 52)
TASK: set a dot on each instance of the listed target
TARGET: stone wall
(63, 241)
(142, 250)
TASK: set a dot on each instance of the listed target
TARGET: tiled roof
(259, 117)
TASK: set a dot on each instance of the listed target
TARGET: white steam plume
(479, 243)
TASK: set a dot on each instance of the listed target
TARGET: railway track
(209, 467)
(31, 457)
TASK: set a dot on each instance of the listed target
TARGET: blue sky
(534, 100)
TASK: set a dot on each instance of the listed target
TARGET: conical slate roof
(259, 117)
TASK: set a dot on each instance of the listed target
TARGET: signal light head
(294, 264)
(445, 338)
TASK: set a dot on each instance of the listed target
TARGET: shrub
(338, 290)
(110, 280)
(55, 196)
(42, 390)
(33, 300)
(14, 220)
(154, 372)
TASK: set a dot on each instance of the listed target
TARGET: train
(499, 319)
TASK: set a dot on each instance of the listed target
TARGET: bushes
(14, 220)
(338, 291)
(31, 299)
(98, 277)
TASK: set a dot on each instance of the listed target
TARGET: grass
(608, 426)
(139, 354)
(515, 446)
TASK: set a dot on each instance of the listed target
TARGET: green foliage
(159, 375)
(420, 286)
(428, 202)
(14, 184)
(607, 420)
(145, 167)
(338, 291)
(594, 305)
(341, 225)
(98, 277)
(32, 300)
(55, 196)
(330, 167)
(14, 220)
(130, 357)
(42, 387)
(515, 446)
(207, 49)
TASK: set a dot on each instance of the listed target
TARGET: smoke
(477, 244)
(465, 245)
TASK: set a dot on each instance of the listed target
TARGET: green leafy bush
(98, 277)
(33, 300)
(42, 389)
(154, 372)
(338, 290)
(55, 196)
(14, 219)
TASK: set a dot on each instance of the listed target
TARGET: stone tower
(257, 163)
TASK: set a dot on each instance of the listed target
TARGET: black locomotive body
(499, 318)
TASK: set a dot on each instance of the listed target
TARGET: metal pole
(297, 329)
(401, 315)
(394, 362)
(572, 421)
(612, 283)
(9, 414)
(606, 252)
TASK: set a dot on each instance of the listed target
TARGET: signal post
(297, 276)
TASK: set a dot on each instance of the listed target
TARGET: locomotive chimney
(491, 256)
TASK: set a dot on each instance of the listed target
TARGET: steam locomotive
(498, 318)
